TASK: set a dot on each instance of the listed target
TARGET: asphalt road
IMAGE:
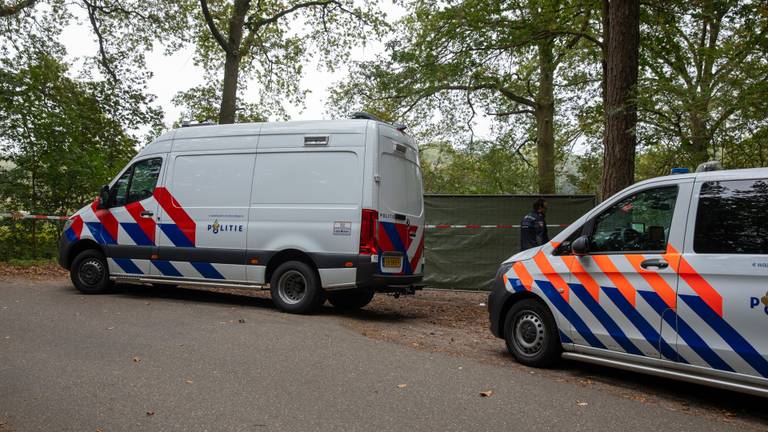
(195, 361)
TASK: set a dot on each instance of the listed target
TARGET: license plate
(392, 261)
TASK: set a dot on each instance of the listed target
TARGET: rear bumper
(367, 276)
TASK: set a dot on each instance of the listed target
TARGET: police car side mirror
(104, 197)
(580, 246)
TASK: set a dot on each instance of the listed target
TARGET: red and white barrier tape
(19, 215)
(447, 226)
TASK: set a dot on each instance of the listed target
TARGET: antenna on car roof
(361, 115)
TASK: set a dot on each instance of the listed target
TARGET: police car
(668, 277)
(311, 210)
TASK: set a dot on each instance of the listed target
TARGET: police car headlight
(503, 269)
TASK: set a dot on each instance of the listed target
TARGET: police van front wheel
(295, 288)
(531, 334)
(89, 272)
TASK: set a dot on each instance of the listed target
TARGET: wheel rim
(91, 272)
(530, 333)
(292, 287)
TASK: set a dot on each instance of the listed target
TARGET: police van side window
(638, 222)
(732, 217)
(143, 180)
(119, 189)
(136, 183)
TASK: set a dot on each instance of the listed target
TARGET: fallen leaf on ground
(487, 393)
(150, 413)
(241, 321)
(580, 403)
(136, 359)
(402, 385)
(188, 381)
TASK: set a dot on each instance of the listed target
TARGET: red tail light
(368, 232)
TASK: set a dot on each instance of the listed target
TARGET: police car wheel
(89, 272)
(531, 334)
(295, 288)
(351, 300)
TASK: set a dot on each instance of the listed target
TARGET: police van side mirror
(104, 197)
(580, 246)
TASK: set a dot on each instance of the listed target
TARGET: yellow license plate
(392, 261)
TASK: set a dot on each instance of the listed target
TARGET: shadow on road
(249, 298)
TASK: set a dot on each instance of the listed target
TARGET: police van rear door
(400, 233)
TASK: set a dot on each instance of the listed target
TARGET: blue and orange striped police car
(668, 277)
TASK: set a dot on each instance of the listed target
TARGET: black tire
(295, 288)
(531, 334)
(351, 300)
(90, 273)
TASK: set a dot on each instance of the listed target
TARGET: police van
(311, 209)
(668, 277)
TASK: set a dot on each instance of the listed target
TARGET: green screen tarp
(467, 258)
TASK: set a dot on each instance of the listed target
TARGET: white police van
(312, 209)
(668, 277)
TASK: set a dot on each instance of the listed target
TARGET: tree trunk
(545, 114)
(620, 105)
(232, 62)
(699, 144)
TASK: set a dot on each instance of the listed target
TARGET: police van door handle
(147, 214)
(658, 263)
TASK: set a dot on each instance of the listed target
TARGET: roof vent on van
(188, 123)
(360, 115)
(315, 140)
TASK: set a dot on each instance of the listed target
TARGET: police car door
(723, 291)
(624, 286)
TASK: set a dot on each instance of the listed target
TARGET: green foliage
(704, 91)
(201, 104)
(486, 168)
(279, 37)
(450, 62)
(61, 139)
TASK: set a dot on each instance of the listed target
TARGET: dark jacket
(533, 230)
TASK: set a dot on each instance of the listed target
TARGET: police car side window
(732, 217)
(638, 222)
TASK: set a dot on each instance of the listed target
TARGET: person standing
(533, 227)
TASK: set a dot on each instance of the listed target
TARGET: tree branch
(102, 49)
(214, 30)
(9, 10)
(256, 24)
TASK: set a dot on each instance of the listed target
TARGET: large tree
(622, 44)
(269, 39)
(502, 57)
(704, 90)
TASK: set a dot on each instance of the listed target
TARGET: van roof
(312, 126)
(732, 174)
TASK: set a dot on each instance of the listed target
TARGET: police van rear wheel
(351, 300)
(531, 334)
(295, 288)
(89, 272)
